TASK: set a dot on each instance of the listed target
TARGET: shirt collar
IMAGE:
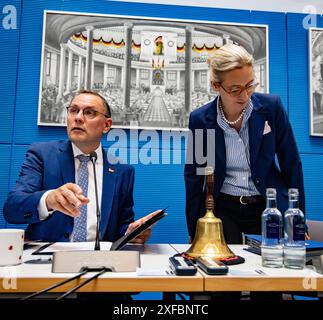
(77, 151)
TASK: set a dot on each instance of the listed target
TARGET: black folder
(313, 248)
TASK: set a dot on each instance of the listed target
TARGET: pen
(260, 271)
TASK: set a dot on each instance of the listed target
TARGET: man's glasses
(88, 113)
(235, 91)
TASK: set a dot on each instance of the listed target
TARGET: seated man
(55, 193)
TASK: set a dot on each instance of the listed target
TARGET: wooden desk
(243, 277)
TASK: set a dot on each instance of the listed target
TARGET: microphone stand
(93, 157)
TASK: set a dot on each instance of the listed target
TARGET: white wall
(298, 6)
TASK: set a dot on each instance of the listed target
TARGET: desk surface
(34, 277)
(242, 277)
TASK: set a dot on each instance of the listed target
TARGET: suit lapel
(66, 161)
(109, 181)
(256, 128)
(67, 169)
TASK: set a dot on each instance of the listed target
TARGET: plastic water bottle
(294, 243)
(272, 233)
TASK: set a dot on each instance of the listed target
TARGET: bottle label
(298, 229)
(273, 230)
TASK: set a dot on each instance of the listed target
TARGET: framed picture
(153, 72)
(316, 81)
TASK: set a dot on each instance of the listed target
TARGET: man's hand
(145, 235)
(68, 199)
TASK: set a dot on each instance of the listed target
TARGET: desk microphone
(77, 261)
(93, 158)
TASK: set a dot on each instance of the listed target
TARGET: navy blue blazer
(265, 172)
(50, 165)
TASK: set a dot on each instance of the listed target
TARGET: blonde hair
(228, 57)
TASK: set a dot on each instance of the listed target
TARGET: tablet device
(117, 245)
(121, 242)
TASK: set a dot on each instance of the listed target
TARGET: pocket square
(267, 128)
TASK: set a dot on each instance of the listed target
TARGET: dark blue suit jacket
(50, 165)
(265, 172)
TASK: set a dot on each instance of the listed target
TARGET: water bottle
(272, 232)
(294, 243)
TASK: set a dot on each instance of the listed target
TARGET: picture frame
(316, 81)
(153, 84)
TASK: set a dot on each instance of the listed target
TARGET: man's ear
(108, 124)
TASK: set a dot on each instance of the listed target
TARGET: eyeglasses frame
(97, 112)
(242, 88)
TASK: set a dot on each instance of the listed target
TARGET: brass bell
(209, 239)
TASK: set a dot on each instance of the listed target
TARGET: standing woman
(250, 129)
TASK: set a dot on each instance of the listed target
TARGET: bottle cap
(293, 192)
(271, 193)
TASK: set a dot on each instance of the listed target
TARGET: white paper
(243, 273)
(75, 246)
(153, 272)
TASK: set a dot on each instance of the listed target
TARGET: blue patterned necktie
(80, 222)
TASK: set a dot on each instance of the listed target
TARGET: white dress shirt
(238, 181)
(91, 206)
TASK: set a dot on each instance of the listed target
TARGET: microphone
(93, 158)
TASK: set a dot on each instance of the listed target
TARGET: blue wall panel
(159, 186)
(313, 177)
(298, 80)
(156, 186)
(17, 155)
(4, 177)
(29, 75)
(277, 51)
(9, 35)
(311, 148)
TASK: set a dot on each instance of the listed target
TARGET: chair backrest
(315, 229)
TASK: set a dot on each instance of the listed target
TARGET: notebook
(312, 247)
